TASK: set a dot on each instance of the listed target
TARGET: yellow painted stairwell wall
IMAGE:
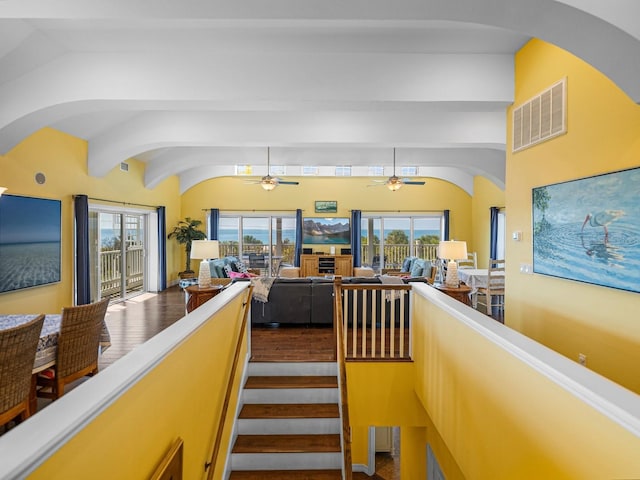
(603, 136)
(63, 160)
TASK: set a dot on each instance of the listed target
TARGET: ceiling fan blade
(282, 182)
(409, 182)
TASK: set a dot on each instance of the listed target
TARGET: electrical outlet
(582, 359)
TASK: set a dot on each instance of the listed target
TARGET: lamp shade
(452, 250)
(205, 249)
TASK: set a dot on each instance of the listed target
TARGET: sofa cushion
(417, 268)
(217, 268)
(407, 264)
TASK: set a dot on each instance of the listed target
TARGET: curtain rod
(121, 203)
(254, 210)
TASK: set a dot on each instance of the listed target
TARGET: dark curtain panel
(83, 267)
(493, 244)
(298, 251)
(356, 236)
(162, 248)
(446, 224)
(214, 223)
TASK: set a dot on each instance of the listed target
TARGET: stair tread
(290, 474)
(326, 443)
(289, 410)
(292, 381)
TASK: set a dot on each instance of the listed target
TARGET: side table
(460, 293)
(199, 295)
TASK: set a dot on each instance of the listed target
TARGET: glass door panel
(118, 268)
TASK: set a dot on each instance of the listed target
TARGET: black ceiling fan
(394, 183)
(268, 182)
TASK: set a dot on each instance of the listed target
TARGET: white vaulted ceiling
(195, 87)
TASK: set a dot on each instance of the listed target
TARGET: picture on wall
(588, 230)
(326, 231)
(326, 206)
(30, 242)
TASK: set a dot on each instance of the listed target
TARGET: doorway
(118, 240)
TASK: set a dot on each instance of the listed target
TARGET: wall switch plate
(517, 236)
(526, 268)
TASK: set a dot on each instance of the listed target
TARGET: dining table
(475, 278)
(48, 342)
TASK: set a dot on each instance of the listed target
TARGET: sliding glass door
(387, 240)
(118, 253)
(262, 242)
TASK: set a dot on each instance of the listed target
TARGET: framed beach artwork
(326, 206)
(588, 230)
(30, 242)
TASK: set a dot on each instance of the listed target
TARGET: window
(409, 171)
(309, 170)
(243, 170)
(269, 234)
(376, 170)
(276, 170)
(343, 171)
(387, 240)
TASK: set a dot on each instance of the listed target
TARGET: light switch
(517, 236)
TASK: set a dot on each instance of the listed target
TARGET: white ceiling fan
(394, 183)
(268, 182)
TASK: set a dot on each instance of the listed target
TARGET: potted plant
(186, 232)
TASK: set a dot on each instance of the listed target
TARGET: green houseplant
(186, 232)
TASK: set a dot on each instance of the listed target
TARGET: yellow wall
(603, 136)
(232, 193)
(501, 419)
(63, 160)
(129, 438)
(485, 195)
(388, 401)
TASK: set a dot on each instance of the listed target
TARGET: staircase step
(290, 410)
(287, 443)
(291, 368)
(287, 474)
(277, 426)
(292, 381)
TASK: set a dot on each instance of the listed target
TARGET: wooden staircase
(289, 424)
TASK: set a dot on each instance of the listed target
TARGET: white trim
(615, 402)
(25, 448)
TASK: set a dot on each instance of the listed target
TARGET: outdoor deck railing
(393, 256)
(111, 271)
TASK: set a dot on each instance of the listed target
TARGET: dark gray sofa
(309, 301)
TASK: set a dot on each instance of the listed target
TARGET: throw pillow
(417, 268)
(240, 267)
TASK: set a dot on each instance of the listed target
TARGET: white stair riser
(301, 368)
(290, 395)
(285, 461)
(296, 426)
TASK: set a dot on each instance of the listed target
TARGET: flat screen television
(30, 242)
(327, 231)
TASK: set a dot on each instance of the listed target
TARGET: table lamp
(452, 250)
(205, 250)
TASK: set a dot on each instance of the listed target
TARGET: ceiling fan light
(268, 186)
(394, 186)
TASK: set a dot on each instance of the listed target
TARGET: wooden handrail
(342, 378)
(211, 465)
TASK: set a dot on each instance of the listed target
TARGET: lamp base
(204, 275)
(452, 275)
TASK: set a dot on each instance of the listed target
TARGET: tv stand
(320, 265)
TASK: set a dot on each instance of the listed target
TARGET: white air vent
(124, 166)
(541, 118)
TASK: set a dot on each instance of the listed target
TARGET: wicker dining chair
(77, 351)
(18, 347)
